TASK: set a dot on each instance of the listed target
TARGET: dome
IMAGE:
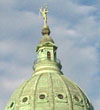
(49, 91)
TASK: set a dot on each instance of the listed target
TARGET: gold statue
(44, 12)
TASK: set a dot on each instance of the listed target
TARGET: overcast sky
(75, 28)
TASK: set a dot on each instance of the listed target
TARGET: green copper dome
(48, 88)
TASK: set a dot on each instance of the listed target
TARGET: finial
(44, 12)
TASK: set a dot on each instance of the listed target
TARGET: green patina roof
(46, 38)
(49, 91)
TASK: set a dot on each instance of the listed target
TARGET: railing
(46, 59)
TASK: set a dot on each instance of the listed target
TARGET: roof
(46, 38)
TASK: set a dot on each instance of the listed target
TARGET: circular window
(76, 98)
(25, 99)
(60, 96)
(12, 104)
(42, 96)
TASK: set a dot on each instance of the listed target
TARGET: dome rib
(52, 90)
(23, 88)
(36, 89)
(81, 96)
(33, 95)
(67, 91)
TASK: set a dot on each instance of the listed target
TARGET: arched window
(55, 54)
(48, 55)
